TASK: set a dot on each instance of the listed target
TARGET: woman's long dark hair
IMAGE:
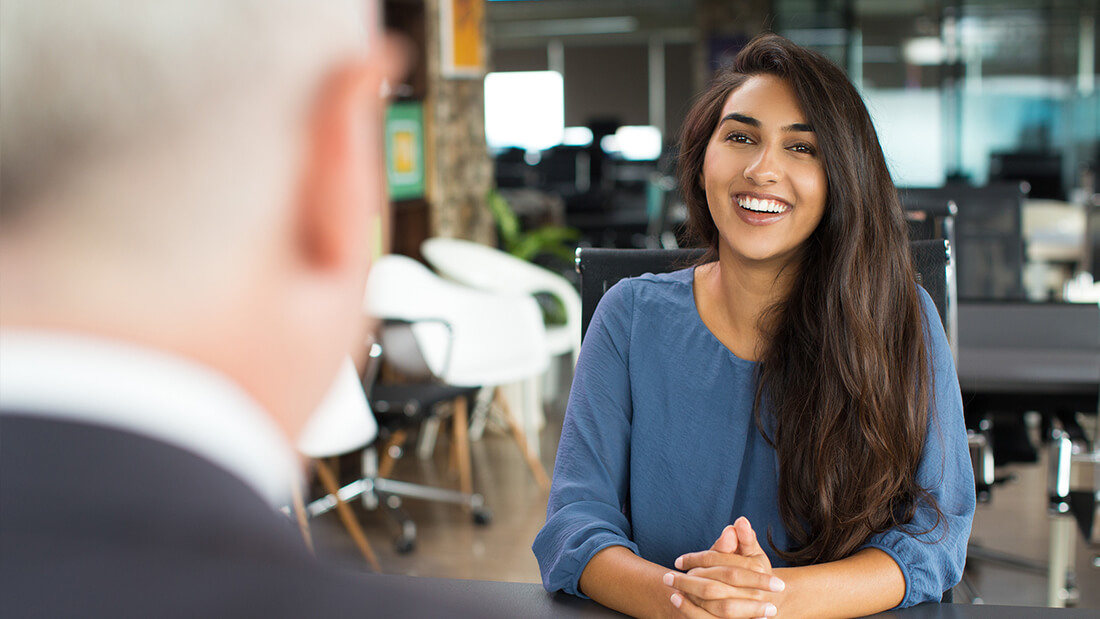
(843, 375)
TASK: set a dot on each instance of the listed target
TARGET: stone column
(459, 172)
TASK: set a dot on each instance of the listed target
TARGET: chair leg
(328, 480)
(396, 440)
(480, 415)
(533, 463)
(300, 515)
(461, 445)
(425, 443)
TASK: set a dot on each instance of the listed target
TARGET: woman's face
(762, 173)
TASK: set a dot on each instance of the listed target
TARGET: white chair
(341, 424)
(467, 337)
(486, 268)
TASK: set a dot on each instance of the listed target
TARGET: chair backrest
(398, 339)
(467, 337)
(988, 230)
(601, 268)
(487, 268)
(935, 269)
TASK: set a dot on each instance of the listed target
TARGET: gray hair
(85, 81)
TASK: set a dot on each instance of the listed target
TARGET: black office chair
(398, 406)
(988, 229)
(601, 268)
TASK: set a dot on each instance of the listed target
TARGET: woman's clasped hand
(733, 578)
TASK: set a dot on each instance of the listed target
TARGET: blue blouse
(660, 449)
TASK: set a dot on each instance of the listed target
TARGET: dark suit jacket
(96, 522)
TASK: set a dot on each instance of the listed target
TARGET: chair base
(376, 491)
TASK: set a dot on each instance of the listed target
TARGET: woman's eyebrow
(752, 122)
(741, 118)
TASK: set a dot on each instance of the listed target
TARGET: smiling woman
(796, 382)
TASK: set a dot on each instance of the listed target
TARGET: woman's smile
(762, 205)
(761, 210)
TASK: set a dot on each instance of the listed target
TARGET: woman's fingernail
(668, 579)
(770, 610)
(677, 600)
(776, 584)
(679, 563)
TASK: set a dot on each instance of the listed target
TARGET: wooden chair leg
(328, 481)
(385, 467)
(300, 515)
(461, 445)
(533, 463)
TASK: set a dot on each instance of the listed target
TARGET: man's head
(199, 176)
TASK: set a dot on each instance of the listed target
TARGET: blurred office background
(537, 126)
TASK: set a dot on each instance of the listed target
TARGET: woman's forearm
(621, 580)
(867, 582)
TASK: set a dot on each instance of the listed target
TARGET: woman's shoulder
(647, 289)
(677, 278)
(647, 298)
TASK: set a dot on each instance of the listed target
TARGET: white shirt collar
(111, 383)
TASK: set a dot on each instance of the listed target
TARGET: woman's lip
(759, 218)
(762, 196)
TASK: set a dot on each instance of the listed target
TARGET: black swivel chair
(988, 238)
(398, 406)
(600, 269)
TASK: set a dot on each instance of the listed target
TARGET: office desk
(530, 601)
(1023, 379)
(1030, 356)
(1016, 357)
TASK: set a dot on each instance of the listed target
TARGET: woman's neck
(732, 295)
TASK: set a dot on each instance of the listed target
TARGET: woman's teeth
(762, 206)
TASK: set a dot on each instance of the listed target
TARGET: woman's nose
(763, 169)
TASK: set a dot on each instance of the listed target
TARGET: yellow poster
(463, 30)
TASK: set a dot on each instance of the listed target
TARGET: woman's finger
(724, 582)
(747, 543)
(741, 608)
(727, 541)
(727, 609)
(711, 558)
(688, 608)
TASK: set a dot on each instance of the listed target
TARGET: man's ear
(331, 209)
(342, 187)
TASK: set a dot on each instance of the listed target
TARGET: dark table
(1031, 354)
(1016, 357)
(531, 601)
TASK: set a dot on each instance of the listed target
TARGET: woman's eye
(740, 138)
(804, 148)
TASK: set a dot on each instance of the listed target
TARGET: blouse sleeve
(931, 554)
(585, 513)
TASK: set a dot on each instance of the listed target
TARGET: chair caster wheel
(404, 545)
(482, 516)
